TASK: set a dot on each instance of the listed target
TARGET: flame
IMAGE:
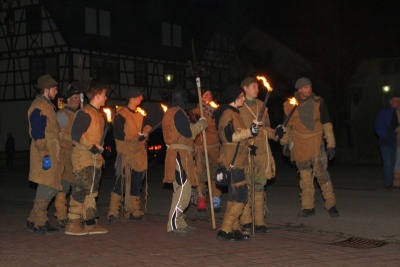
(213, 104)
(293, 101)
(164, 107)
(108, 113)
(141, 111)
(265, 82)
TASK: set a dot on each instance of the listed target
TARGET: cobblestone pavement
(367, 212)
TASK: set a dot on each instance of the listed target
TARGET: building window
(34, 19)
(104, 69)
(10, 22)
(171, 35)
(140, 73)
(97, 22)
(43, 65)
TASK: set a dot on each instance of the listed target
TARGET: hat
(72, 90)
(247, 81)
(46, 81)
(203, 91)
(133, 92)
(300, 83)
(232, 92)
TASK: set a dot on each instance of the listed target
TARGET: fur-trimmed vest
(132, 150)
(81, 155)
(306, 143)
(177, 143)
(49, 146)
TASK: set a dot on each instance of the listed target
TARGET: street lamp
(385, 92)
(169, 78)
(386, 89)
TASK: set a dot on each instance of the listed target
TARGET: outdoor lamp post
(385, 92)
(169, 78)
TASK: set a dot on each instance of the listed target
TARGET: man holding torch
(65, 119)
(130, 132)
(213, 147)
(263, 160)
(305, 131)
(87, 135)
(179, 134)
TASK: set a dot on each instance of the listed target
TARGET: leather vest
(133, 150)
(49, 177)
(81, 155)
(228, 148)
(306, 143)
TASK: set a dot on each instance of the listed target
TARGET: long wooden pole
(206, 154)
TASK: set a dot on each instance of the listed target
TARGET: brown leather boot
(75, 228)
(136, 212)
(115, 204)
(60, 204)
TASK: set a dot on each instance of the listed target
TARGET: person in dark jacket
(385, 125)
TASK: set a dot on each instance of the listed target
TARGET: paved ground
(367, 211)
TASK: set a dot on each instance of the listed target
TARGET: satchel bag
(224, 176)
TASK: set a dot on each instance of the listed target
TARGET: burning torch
(269, 88)
(213, 104)
(292, 101)
(108, 113)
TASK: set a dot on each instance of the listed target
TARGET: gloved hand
(253, 150)
(142, 137)
(330, 152)
(279, 131)
(286, 150)
(254, 129)
(46, 164)
(94, 149)
(203, 122)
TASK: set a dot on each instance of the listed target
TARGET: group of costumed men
(67, 146)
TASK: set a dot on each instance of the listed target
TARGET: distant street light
(386, 89)
(385, 93)
(169, 78)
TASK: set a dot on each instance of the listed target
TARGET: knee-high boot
(231, 216)
(113, 210)
(259, 210)
(136, 213)
(75, 213)
(38, 218)
(60, 204)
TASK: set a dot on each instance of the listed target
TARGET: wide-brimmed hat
(46, 81)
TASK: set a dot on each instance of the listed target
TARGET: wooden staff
(206, 154)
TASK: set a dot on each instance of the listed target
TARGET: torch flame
(108, 113)
(165, 108)
(213, 104)
(141, 111)
(293, 101)
(265, 82)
